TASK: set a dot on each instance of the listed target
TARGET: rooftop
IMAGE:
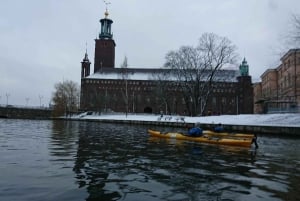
(151, 74)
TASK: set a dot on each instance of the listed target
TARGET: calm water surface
(57, 160)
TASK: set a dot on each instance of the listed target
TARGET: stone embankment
(45, 113)
(272, 130)
(24, 113)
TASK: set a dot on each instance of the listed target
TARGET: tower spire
(85, 64)
(106, 11)
(106, 24)
(105, 44)
(86, 59)
(244, 68)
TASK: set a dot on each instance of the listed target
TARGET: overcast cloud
(43, 42)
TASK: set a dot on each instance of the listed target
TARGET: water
(57, 160)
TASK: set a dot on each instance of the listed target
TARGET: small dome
(106, 13)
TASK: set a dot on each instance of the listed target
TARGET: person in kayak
(219, 128)
(195, 132)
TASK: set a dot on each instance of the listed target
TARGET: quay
(257, 129)
(15, 112)
(291, 129)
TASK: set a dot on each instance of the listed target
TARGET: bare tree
(125, 77)
(65, 98)
(195, 68)
(162, 90)
(295, 36)
(291, 37)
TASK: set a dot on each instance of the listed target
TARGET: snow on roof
(117, 73)
(117, 76)
(149, 74)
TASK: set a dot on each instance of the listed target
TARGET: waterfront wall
(25, 113)
(45, 113)
(273, 130)
(270, 130)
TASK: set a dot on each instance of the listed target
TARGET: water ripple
(59, 160)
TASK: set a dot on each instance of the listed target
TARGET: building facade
(135, 90)
(279, 90)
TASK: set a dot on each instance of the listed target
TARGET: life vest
(195, 132)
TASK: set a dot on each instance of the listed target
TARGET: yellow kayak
(223, 140)
(225, 134)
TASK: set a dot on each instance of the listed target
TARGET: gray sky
(43, 42)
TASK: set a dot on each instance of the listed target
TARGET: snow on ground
(288, 120)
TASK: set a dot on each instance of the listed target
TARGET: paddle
(254, 140)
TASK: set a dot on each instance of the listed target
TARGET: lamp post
(27, 100)
(40, 97)
(7, 95)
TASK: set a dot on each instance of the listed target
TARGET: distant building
(104, 89)
(257, 94)
(279, 90)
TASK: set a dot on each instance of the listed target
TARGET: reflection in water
(61, 160)
(64, 136)
(122, 162)
(90, 166)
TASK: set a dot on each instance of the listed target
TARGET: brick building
(279, 89)
(104, 89)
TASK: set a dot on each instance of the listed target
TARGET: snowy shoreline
(275, 120)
